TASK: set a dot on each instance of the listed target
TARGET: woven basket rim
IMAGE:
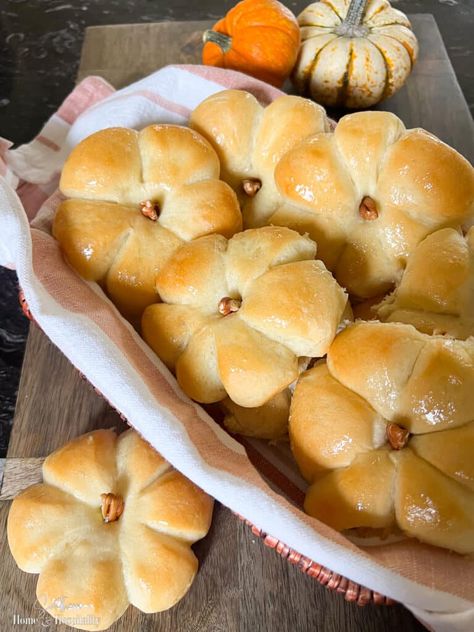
(352, 591)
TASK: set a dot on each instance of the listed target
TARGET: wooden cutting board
(241, 584)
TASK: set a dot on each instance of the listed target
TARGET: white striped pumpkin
(353, 54)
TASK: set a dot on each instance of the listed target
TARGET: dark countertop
(40, 44)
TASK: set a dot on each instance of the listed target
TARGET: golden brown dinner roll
(369, 193)
(436, 292)
(384, 433)
(134, 197)
(111, 525)
(238, 314)
(250, 139)
(269, 421)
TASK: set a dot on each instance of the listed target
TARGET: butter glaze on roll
(384, 433)
(250, 139)
(369, 193)
(237, 314)
(112, 524)
(134, 197)
(436, 292)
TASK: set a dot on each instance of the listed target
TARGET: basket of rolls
(283, 308)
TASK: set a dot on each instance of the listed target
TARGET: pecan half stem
(228, 305)
(397, 436)
(149, 209)
(112, 507)
(368, 209)
(251, 186)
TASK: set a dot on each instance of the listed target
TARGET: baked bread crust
(287, 305)
(369, 193)
(144, 557)
(103, 229)
(269, 421)
(384, 433)
(436, 292)
(250, 139)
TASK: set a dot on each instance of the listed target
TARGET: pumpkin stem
(352, 25)
(251, 186)
(149, 209)
(397, 436)
(221, 39)
(227, 305)
(112, 507)
(368, 209)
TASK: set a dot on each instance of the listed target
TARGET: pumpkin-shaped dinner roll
(250, 139)
(238, 314)
(384, 433)
(134, 197)
(111, 525)
(369, 193)
(436, 292)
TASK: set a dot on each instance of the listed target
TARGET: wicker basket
(333, 581)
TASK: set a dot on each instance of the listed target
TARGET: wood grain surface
(16, 474)
(241, 586)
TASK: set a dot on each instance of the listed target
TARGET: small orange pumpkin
(258, 37)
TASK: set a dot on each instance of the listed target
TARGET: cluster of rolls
(242, 246)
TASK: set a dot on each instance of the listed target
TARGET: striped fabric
(253, 479)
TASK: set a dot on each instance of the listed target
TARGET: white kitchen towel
(437, 586)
